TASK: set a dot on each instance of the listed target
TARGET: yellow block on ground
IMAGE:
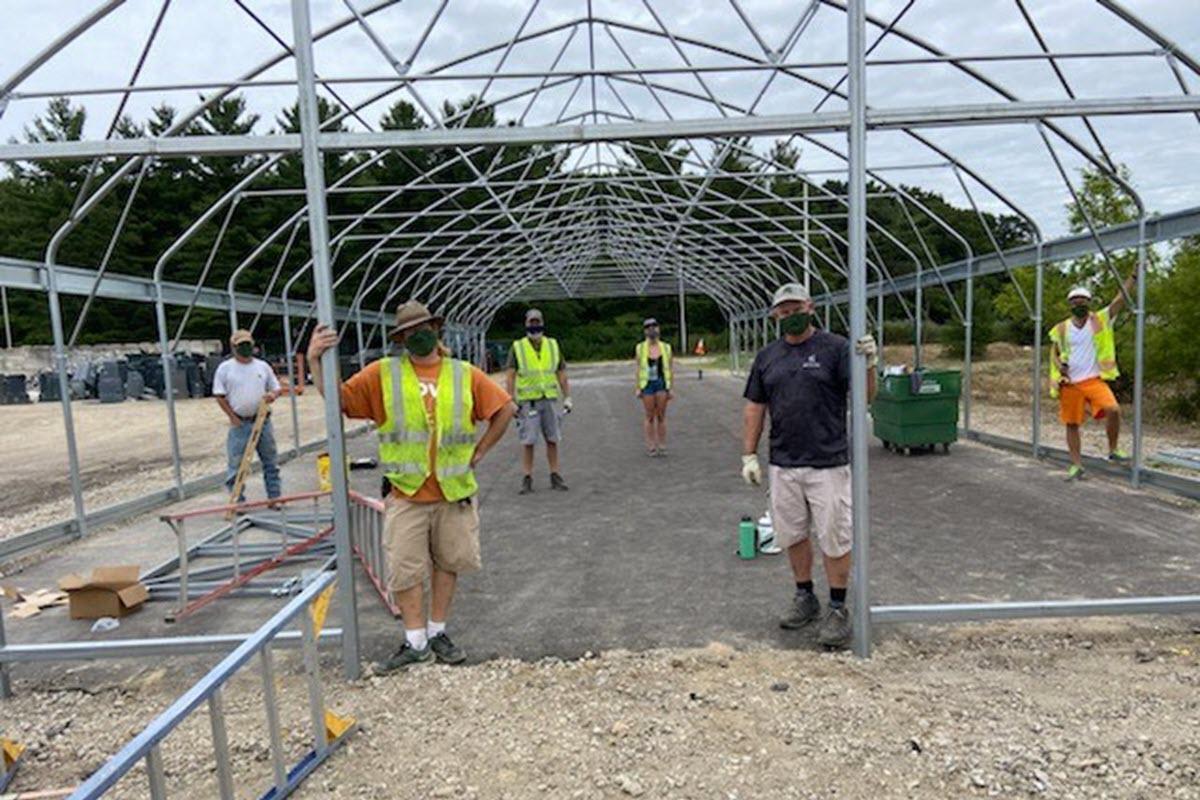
(336, 725)
(12, 751)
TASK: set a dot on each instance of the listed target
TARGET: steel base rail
(147, 648)
(978, 612)
(147, 744)
(69, 529)
(1167, 481)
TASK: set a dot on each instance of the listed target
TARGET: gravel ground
(1107, 710)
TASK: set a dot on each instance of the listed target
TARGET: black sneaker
(835, 628)
(447, 651)
(804, 609)
(556, 482)
(526, 485)
(407, 656)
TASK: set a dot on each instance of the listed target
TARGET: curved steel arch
(554, 231)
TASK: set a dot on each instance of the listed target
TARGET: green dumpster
(917, 410)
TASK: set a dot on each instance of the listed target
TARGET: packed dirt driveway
(124, 451)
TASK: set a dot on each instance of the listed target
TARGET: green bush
(897, 332)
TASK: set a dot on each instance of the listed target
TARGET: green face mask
(795, 324)
(421, 343)
(244, 349)
(1080, 311)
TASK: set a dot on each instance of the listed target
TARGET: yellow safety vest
(643, 355)
(537, 370)
(1106, 348)
(404, 437)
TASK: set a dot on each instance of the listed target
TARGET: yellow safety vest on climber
(537, 370)
(1106, 348)
(643, 355)
(407, 450)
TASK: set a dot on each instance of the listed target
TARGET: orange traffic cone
(700, 348)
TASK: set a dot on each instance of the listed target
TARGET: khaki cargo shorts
(417, 536)
(808, 499)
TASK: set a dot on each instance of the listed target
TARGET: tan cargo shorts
(809, 499)
(417, 536)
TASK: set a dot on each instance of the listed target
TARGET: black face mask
(535, 330)
(1080, 312)
(652, 335)
(421, 343)
(795, 324)
(244, 349)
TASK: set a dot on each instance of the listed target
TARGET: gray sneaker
(835, 628)
(447, 651)
(407, 656)
(803, 610)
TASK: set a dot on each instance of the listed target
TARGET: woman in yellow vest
(426, 406)
(1083, 358)
(653, 359)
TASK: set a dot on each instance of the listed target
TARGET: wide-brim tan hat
(411, 314)
(239, 336)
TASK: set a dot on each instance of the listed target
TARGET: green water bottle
(747, 536)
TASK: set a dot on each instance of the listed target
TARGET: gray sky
(213, 39)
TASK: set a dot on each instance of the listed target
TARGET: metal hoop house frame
(580, 209)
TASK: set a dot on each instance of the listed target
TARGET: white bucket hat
(1080, 291)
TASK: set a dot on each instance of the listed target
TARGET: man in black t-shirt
(802, 381)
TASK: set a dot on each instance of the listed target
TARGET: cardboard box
(107, 592)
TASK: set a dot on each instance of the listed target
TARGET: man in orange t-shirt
(425, 535)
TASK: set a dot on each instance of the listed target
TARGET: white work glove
(568, 405)
(751, 471)
(865, 346)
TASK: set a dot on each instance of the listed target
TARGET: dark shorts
(654, 387)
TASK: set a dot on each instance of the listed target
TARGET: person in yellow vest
(1083, 357)
(654, 379)
(537, 377)
(427, 407)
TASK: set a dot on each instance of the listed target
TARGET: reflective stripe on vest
(537, 371)
(1102, 336)
(643, 355)
(404, 437)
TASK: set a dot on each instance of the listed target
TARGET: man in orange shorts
(1083, 359)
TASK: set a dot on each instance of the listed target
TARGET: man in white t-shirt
(240, 384)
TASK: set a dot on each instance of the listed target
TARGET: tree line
(37, 197)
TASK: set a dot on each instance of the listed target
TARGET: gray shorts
(534, 416)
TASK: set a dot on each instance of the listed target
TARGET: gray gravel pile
(1109, 711)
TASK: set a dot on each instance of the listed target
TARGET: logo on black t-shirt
(811, 362)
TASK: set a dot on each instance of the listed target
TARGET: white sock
(434, 628)
(416, 638)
